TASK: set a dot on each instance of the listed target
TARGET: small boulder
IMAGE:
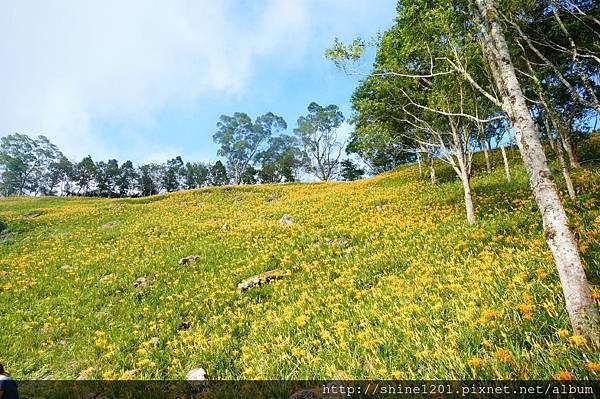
(32, 214)
(286, 220)
(66, 267)
(140, 282)
(272, 197)
(196, 376)
(188, 259)
(260, 279)
(109, 225)
(224, 228)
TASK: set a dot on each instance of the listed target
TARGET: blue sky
(148, 80)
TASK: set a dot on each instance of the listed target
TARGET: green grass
(385, 280)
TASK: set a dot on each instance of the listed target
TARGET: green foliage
(350, 171)
(342, 54)
(196, 175)
(149, 179)
(172, 172)
(85, 172)
(280, 161)
(218, 174)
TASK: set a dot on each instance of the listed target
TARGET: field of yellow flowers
(384, 279)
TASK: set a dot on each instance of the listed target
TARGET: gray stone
(188, 259)
(140, 282)
(196, 376)
(32, 214)
(260, 279)
(109, 225)
(286, 220)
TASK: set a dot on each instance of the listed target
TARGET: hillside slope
(384, 280)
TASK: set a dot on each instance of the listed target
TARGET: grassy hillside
(384, 280)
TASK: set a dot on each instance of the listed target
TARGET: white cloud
(69, 64)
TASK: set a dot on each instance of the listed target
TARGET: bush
(588, 150)
(3, 225)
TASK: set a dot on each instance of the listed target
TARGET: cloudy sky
(148, 80)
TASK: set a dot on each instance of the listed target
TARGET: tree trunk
(488, 164)
(432, 176)
(506, 168)
(552, 141)
(565, 169)
(420, 164)
(464, 178)
(581, 308)
(560, 154)
(564, 137)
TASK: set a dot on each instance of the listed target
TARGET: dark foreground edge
(306, 389)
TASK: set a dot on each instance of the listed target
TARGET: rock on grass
(188, 259)
(260, 279)
(286, 220)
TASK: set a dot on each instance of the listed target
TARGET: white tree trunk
(581, 308)
(420, 163)
(488, 164)
(506, 168)
(552, 141)
(565, 169)
(560, 154)
(464, 178)
(432, 176)
(564, 137)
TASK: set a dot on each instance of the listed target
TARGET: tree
(582, 310)
(172, 174)
(196, 175)
(280, 161)
(240, 139)
(60, 176)
(85, 172)
(107, 174)
(25, 164)
(350, 171)
(250, 175)
(317, 134)
(44, 177)
(126, 179)
(561, 40)
(434, 112)
(378, 149)
(218, 174)
(149, 179)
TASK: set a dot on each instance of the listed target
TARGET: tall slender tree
(317, 133)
